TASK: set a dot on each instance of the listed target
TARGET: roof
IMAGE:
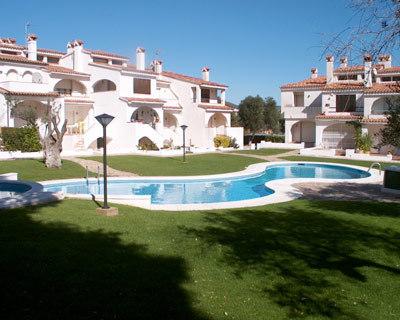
(194, 80)
(106, 54)
(338, 116)
(77, 100)
(349, 69)
(172, 107)
(53, 68)
(132, 67)
(317, 83)
(389, 70)
(215, 107)
(374, 120)
(340, 86)
(19, 59)
(32, 94)
(143, 100)
(383, 88)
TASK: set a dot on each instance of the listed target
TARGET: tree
(53, 138)
(374, 28)
(271, 115)
(251, 113)
(390, 134)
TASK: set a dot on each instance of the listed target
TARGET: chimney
(32, 46)
(157, 66)
(140, 59)
(205, 73)
(314, 73)
(329, 68)
(386, 60)
(367, 70)
(343, 62)
(77, 48)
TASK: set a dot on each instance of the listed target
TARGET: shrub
(365, 142)
(146, 144)
(222, 141)
(25, 139)
(279, 138)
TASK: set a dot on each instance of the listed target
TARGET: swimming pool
(11, 188)
(206, 190)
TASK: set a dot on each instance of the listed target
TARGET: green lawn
(173, 166)
(32, 169)
(264, 152)
(301, 259)
(335, 160)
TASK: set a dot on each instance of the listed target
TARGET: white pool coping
(283, 188)
(34, 196)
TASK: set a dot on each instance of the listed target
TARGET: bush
(222, 141)
(24, 139)
(146, 144)
(365, 142)
(279, 138)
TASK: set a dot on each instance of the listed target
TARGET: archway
(70, 87)
(338, 136)
(145, 115)
(147, 144)
(104, 85)
(27, 76)
(170, 121)
(28, 112)
(304, 131)
(219, 122)
(381, 106)
(12, 75)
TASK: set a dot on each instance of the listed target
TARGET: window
(100, 60)
(299, 99)
(117, 62)
(142, 86)
(348, 77)
(386, 79)
(396, 78)
(345, 103)
(53, 60)
(205, 95)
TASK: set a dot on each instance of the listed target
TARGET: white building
(316, 109)
(147, 102)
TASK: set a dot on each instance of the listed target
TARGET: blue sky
(253, 46)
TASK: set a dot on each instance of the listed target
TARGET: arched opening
(70, 87)
(381, 106)
(104, 85)
(27, 76)
(304, 131)
(12, 75)
(28, 112)
(219, 122)
(338, 136)
(145, 115)
(146, 144)
(170, 121)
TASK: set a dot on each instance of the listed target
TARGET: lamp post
(184, 127)
(105, 119)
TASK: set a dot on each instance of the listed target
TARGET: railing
(374, 165)
(211, 100)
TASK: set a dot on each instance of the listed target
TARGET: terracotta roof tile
(132, 67)
(77, 100)
(383, 88)
(349, 69)
(338, 116)
(215, 107)
(194, 80)
(32, 94)
(106, 54)
(344, 86)
(389, 70)
(19, 59)
(143, 100)
(53, 68)
(172, 107)
(318, 83)
(374, 120)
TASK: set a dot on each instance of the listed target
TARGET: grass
(301, 259)
(264, 151)
(173, 166)
(35, 170)
(335, 160)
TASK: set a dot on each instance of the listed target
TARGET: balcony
(216, 100)
(308, 112)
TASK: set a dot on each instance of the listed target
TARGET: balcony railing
(211, 100)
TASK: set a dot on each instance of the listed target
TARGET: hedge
(24, 139)
(264, 137)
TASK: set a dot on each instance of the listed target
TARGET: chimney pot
(343, 62)
(329, 68)
(157, 66)
(367, 70)
(32, 46)
(205, 73)
(140, 58)
(314, 73)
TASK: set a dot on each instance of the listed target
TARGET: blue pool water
(211, 190)
(10, 189)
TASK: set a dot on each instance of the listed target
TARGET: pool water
(214, 190)
(11, 189)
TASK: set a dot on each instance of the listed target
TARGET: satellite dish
(37, 78)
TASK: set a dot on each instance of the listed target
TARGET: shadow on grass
(56, 271)
(302, 253)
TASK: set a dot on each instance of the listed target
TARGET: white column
(288, 131)
(319, 129)
(223, 96)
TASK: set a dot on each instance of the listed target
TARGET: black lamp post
(184, 127)
(104, 119)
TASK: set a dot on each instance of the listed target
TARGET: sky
(252, 46)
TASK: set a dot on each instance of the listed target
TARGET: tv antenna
(27, 26)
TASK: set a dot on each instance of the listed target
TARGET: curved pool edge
(34, 196)
(284, 189)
